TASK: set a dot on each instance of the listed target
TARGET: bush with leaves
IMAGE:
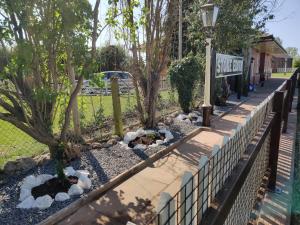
(296, 62)
(184, 75)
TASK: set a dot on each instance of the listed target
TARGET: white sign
(228, 65)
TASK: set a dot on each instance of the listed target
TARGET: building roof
(270, 45)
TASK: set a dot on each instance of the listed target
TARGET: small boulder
(112, 141)
(26, 164)
(28, 203)
(44, 177)
(61, 196)
(140, 147)
(75, 189)
(130, 136)
(25, 193)
(69, 171)
(43, 202)
(30, 182)
(84, 182)
(82, 173)
(10, 168)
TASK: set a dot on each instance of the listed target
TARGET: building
(265, 53)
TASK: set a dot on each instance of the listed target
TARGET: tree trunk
(75, 112)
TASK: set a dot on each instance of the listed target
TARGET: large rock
(21, 165)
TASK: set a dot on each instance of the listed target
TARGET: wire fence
(95, 110)
(198, 199)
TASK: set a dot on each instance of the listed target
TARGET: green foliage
(237, 26)
(111, 57)
(184, 75)
(296, 62)
(292, 51)
(59, 156)
(97, 80)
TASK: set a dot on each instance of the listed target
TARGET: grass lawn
(281, 75)
(15, 143)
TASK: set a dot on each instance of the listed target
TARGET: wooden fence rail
(224, 189)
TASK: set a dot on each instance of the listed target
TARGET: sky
(286, 24)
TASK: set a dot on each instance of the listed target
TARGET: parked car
(125, 83)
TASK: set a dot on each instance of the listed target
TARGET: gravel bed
(103, 164)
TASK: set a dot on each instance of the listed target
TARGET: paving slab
(136, 198)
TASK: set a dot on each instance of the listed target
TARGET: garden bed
(102, 163)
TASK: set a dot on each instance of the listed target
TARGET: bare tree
(155, 25)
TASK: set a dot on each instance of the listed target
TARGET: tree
(152, 23)
(112, 57)
(296, 62)
(292, 51)
(238, 25)
(50, 39)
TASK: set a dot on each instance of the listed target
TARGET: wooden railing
(225, 187)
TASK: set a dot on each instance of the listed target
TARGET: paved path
(276, 207)
(135, 199)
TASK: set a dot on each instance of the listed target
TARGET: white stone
(43, 202)
(181, 117)
(69, 171)
(159, 142)
(82, 173)
(140, 132)
(140, 146)
(61, 196)
(84, 182)
(75, 189)
(168, 135)
(44, 177)
(27, 203)
(30, 182)
(25, 193)
(130, 136)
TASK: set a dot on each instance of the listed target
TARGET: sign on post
(228, 65)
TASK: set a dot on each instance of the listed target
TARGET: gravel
(103, 164)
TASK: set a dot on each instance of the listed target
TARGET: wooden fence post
(166, 209)
(286, 106)
(116, 106)
(186, 199)
(275, 138)
(203, 190)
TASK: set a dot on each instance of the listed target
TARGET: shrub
(184, 75)
(296, 62)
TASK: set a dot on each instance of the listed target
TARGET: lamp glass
(209, 14)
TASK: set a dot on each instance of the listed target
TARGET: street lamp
(209, 14)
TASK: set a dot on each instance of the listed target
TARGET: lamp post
(209, 13)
